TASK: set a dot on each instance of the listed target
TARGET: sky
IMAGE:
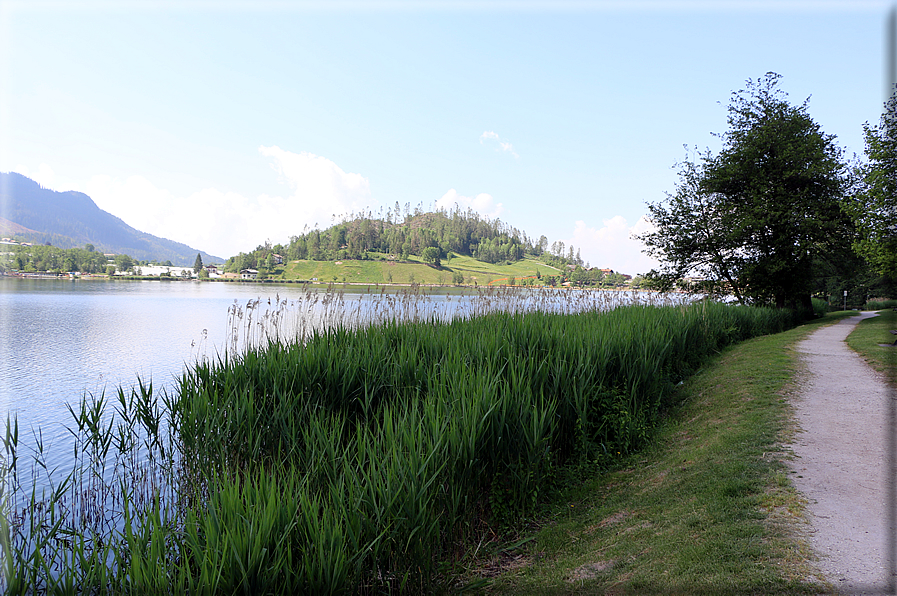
(224, 125)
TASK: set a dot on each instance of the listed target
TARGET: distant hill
(71, 219)
(8, 228)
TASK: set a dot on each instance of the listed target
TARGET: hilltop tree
(757, 219)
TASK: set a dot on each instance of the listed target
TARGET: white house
(159, 270)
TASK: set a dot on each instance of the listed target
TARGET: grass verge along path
(709, 509)
(867, 339)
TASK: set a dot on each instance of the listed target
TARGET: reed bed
(879, 304)
(257, 322)
(364, 456)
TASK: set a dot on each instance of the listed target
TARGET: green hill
(402, 240)
(435, 248)
(414, 270)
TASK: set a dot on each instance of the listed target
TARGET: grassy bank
(373, 459)
(872, 339)
(706, 509)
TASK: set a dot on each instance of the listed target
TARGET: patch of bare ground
(614, 519)
(504, 563)
(590, 571)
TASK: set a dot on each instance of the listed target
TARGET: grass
(867, 340)
(706, 509)
(414, 270)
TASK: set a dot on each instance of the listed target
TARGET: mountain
(71, 219)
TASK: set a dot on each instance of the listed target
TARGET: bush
(820, 307)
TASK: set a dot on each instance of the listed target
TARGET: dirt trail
(842, 411)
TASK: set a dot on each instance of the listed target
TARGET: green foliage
(123, 262)
(820, 307)
(427, 235)
(874, 205)
(197, 264)
(431, 255)
(53, 259)
(756, 219)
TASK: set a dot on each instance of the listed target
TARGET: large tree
(431, 255)
(757, 218)
(874, 205)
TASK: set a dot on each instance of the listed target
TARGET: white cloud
(613, 246)
(483, 203)
(316, 180)
(502, 144)
(225, 223)
(43, 175)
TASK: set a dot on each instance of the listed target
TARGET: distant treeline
(459, 232)
(52, 259)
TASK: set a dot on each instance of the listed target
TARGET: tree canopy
(448, 231)
(431, 255)
(759, 217)
(874, 205)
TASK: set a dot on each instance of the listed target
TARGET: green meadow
(415, 271)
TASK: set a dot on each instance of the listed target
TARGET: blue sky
(223, 125)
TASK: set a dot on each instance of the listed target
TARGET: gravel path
(842, 411)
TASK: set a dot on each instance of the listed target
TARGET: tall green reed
(355, 454)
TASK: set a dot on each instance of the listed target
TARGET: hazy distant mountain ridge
(71, 219)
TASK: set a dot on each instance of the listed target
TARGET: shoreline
(310, 284)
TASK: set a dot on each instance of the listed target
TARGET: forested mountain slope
(71, 219)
